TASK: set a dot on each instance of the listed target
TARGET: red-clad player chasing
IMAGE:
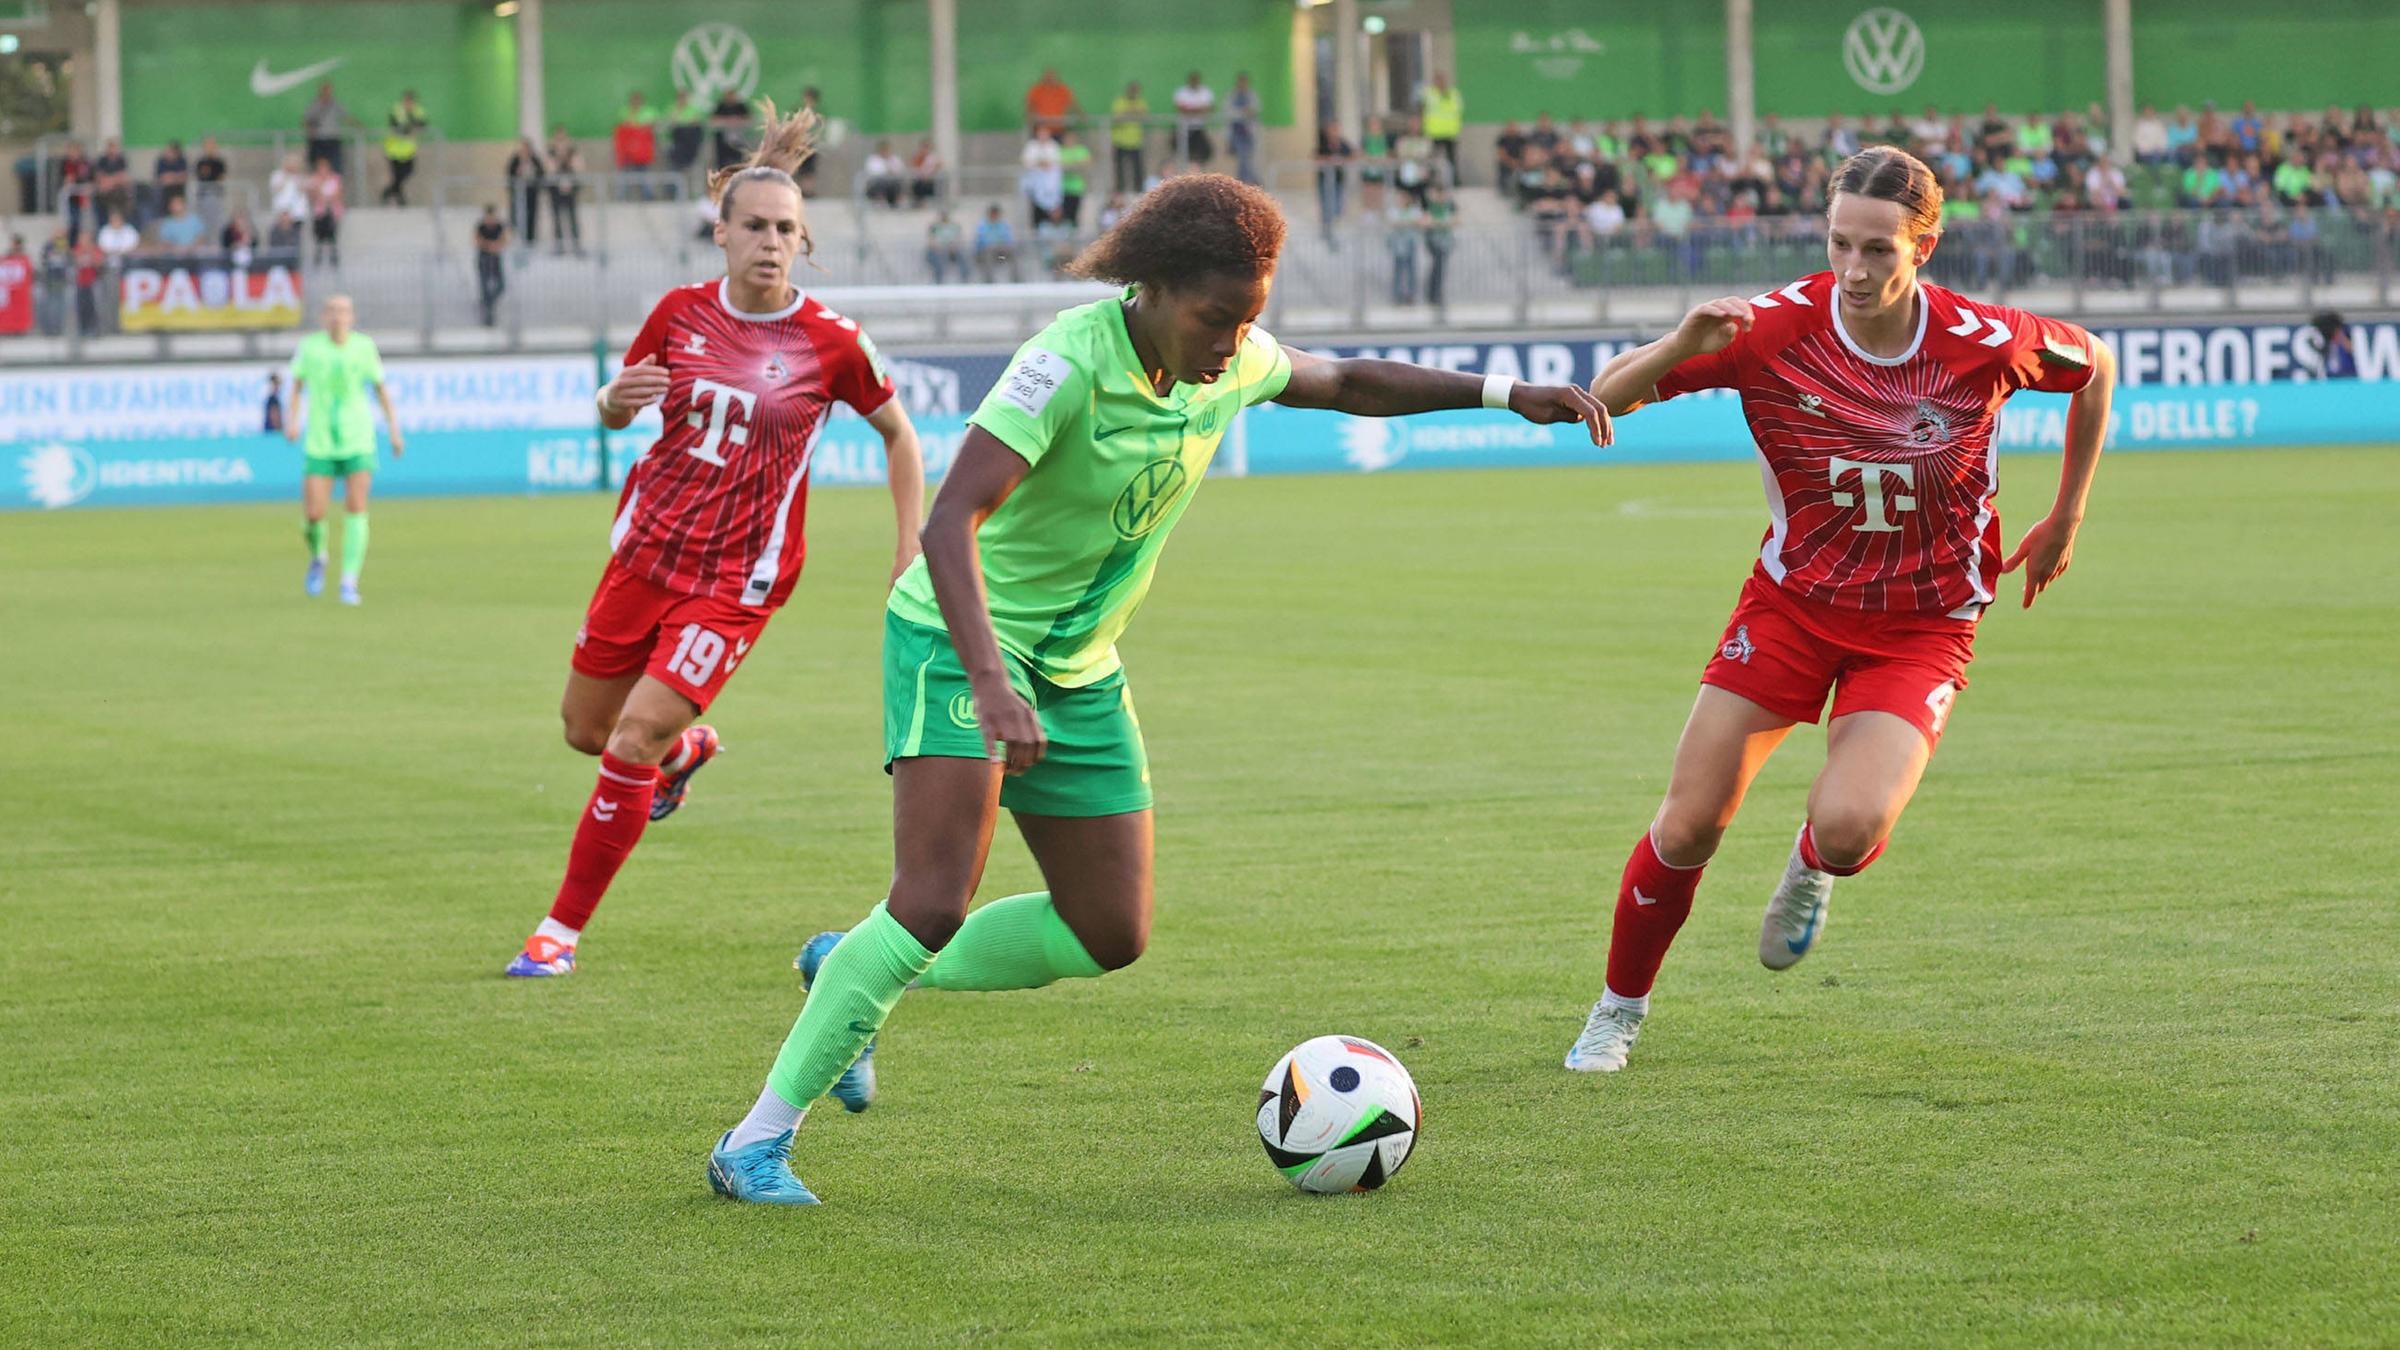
(709, 538)
(1873, 398)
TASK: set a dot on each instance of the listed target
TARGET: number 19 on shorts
(697, 653)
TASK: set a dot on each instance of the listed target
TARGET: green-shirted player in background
(331, 373)
(1001, 681)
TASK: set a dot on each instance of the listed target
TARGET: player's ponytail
(1892, 175)
(784, 144)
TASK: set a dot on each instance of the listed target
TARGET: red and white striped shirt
(1880, 471)
(718, 503)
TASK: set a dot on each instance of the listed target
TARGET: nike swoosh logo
(1641, 899)
(861, 1028)
(1808, 935)
(267, 85)
(1099, 436)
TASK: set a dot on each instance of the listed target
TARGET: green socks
(313, 531)
(1015, 943)
(854, 991)
(354, 545)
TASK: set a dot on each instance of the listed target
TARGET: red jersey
(1880, 471)
(717, 505)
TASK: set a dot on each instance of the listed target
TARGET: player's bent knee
(1684, 843)
(586, 740)
(1844, 838)
(1117, 950)
(639, 742)
(932, 923)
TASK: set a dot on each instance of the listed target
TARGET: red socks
(612, 824)
(1653, 900)
(1808, 855)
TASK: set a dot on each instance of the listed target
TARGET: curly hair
(784, 144)
(1187, 228)
(1890, 175)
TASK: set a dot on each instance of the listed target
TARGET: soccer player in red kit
(708, 537)
(1873, 398)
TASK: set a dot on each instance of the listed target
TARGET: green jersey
(1068, 557)
(334, 377)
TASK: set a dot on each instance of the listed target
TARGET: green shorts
(338, 466)
(1095, 765)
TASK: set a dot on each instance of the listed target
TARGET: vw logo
(1884, 51)
(713, 58)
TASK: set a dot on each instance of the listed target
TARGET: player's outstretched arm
(904, 464)
(1630, 379)
(636, 387)
(1369, 388)
(2047, 548)
(985, 472)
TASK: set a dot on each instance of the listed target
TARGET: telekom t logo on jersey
(722, 424)
(1870, 486)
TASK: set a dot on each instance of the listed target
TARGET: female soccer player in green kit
(332, 370)
(1001, 681)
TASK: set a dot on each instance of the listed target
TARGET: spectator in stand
(180, 231)
(287, 189)
(1929, 134)
(1195, 102)
(323, 123)
(880, 177)
(1126, 128)
(1840, 141)
(1443, 111)
(284, 234)
(2183, 137)
(1711, 141)
(238, 240)
(1112, 211)
(90, 261)
(1544, 136)
(491, 274)
(271, 415)
(945, 247)
(1508, 157)
(924, 174)
(1074, 177)
(1043, 177)
(208, 182)
(1049, 103)
(1054, 241)
(1241, 127)
(2105, 188)
(1334, 153)
(1440, 217)
(1374, 167)
(1403, 232)
(171, 173)
(526, 171)
(731, 119)
(401, 127)
(1414, 168)
(995, 246)
(633, 146)
(325, 214)
(687, 132)
(566, 181)
(112, 181)
(2216, 137)
(75, 174)
(2150, 137)
(118, 237)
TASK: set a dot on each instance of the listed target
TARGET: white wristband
(1495, 390)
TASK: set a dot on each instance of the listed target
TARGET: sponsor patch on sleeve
(874, 358)
(2072, 355)
(1033, 381)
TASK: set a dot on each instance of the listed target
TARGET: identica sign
(185, 296)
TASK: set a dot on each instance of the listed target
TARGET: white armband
(1496, 390)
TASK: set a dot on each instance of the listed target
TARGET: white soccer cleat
(1795, 914)
(1607, 1038)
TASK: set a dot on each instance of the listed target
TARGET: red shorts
(1785, 653)
(690, 643)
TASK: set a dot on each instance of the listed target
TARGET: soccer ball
(1338, 1114)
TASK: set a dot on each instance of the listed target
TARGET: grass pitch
(2104, 1051)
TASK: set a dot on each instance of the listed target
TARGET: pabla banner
(178, 295)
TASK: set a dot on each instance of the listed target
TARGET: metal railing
(1358, 276)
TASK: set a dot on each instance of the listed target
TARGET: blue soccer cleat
(705, 747)
(757, 1174)
(349, 591)
(315, 584)
(542, 956)
(855, 1089)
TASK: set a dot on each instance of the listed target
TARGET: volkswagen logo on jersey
(1146, 500)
